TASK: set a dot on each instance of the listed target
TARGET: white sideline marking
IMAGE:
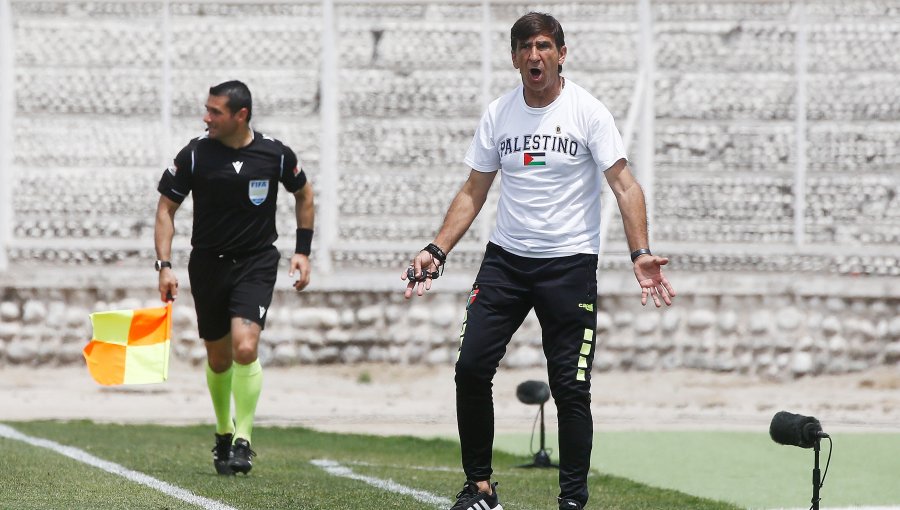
(333, 468)
(116, 469)
(849, 508)
(437, 469)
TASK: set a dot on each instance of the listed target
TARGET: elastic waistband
(496, 248)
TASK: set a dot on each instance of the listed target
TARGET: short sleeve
(292, 176)
(482, 154)
(605, 141)
(176, 181)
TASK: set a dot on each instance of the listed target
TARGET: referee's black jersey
(234, 190)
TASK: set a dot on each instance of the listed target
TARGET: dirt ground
(419, 400)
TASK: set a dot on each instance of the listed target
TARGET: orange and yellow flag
(130, 346)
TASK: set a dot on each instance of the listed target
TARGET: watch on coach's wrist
(637, 253)
(161, 264)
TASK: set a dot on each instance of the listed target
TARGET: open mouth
(535, 73)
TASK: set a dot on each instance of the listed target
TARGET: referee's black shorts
(225, 286)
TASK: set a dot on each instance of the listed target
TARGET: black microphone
(795, 430)
(533, 392)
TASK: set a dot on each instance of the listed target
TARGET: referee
(234, 174)
(553, 143)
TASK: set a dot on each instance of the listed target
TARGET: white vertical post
(484, 222)
(7, 113)
(800, 64)
(646, 144)
(328, 178)
(486, 53)
(165, 111)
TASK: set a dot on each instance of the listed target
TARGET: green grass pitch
(747, 468)
(284, 476)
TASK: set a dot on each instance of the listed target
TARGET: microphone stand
(817, 475)
(542, 457)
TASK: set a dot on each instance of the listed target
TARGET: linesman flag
(130, 346)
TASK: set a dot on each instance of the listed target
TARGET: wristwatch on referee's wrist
(161, 264)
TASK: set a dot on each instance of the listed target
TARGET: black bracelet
(304, 241)
(637, 253)
(436, 252)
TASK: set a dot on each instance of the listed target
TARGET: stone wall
(773, 327)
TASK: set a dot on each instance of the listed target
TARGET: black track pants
(563, 293)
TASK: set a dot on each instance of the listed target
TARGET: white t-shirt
(551, 161)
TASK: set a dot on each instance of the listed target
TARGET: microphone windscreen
(533, 392)
(793, 429)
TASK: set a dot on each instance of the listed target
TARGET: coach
(551, 141)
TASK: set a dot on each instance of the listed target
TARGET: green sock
(246, 385)
(220, 391)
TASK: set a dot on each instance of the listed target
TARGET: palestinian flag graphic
(535, 159)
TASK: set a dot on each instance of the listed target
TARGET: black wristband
(436, 252)
(304, 241)
(637, 253)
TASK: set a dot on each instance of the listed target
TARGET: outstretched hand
(422, 261)
(648, 271)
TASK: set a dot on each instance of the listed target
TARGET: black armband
(304, 241)
(436, 252)
(637, 253)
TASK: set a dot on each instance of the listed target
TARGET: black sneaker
(222, 454)
(241, 456)
(471, 499)
(569, 504)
